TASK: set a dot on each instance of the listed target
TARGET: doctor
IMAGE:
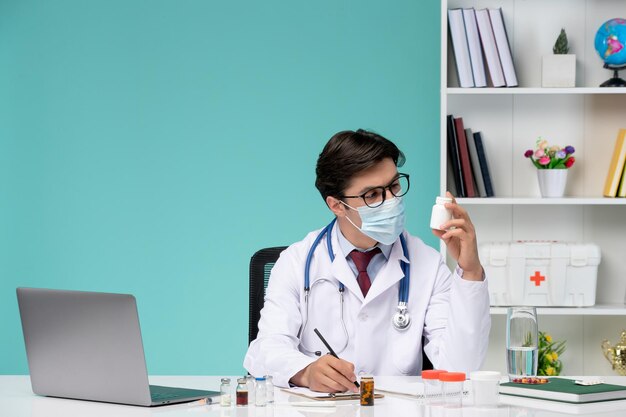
(369, 287)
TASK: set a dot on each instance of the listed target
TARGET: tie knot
(362, 259)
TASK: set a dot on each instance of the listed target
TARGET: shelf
(597, 310)
(534, 90)
(518, 201)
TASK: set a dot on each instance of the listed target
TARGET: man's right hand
(327, 374)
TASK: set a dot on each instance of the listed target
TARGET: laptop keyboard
(159, 393)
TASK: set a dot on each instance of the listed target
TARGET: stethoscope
(401, 320)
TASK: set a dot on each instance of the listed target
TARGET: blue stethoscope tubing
(401, 319)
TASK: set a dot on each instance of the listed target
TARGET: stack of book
(479, 37)
(468, 171)
(615, 184)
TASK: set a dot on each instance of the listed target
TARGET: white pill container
(440, 214)
(485, 388)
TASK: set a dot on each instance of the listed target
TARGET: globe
(610, 42)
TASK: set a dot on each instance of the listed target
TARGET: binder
(617, 165)
(453, 152)
(478, 175)
(484, 165)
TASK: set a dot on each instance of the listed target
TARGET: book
(453, 152)
(621, 191)
(466, 167)
(488, 42)
(617, 165)
(565, 390)
(461, 49)
(478, 175)
(504, 49)
(475, 51)
(484, 165)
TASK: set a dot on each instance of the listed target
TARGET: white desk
(17, 400)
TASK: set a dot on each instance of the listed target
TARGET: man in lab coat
(357, 175)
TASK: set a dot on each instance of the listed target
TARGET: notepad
(324, 396)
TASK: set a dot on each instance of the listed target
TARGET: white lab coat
(452, 314)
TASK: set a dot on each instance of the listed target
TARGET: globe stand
(616, 81)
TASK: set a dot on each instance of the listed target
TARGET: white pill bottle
(440, 213)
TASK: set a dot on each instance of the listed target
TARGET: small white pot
(552, 182)
(558, 71)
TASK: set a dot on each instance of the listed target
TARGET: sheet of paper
(415, 389)
(307, 392)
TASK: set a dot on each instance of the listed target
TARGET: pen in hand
(330, 350)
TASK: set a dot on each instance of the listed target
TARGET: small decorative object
(610, 44)
(616, 355)
(552, 163)
(559, 70)
(549, 353)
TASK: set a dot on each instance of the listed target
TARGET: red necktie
(361, 260)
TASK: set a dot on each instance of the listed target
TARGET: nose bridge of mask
(380, 212)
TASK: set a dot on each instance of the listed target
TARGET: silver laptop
(87, 345)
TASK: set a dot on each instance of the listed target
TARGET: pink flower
(570, 161)
(539, 153)
(544, 160)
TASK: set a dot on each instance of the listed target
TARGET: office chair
(261, 265)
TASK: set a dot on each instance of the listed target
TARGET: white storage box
(541, 273)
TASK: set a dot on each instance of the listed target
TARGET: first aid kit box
(540, 273)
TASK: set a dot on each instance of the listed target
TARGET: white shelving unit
(511, 119)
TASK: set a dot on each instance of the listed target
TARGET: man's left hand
(459, 236)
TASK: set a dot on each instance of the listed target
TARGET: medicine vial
(367, 390)
(241, 393)
(225, 399)
(440, 213)
(251, 388)
(269, 389)
(261, 390)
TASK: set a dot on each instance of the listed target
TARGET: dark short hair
(348, 153)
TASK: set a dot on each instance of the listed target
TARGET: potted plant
(559, 69)
(550, 351)
(552, 163)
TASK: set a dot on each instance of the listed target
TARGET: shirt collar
(347, 247)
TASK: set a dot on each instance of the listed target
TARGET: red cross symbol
(537, 278)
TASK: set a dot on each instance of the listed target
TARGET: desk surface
(18, 400)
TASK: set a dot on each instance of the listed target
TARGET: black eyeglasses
(376, 196)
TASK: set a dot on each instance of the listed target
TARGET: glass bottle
(367, 390)
(269, 389)
(225, 399)
(251, 389)
(242, 392)
(260, 395)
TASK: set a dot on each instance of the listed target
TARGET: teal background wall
(150, 147)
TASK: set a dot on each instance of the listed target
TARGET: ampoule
(269, 389)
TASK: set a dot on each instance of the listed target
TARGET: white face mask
(383, 223)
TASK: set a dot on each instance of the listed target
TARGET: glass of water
(521, 341)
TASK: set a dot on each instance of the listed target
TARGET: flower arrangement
(551, 157)
(549, 363)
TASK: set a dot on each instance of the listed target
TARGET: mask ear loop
(348, 218)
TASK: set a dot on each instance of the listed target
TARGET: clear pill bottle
(432, 386)
(225, 399)
(452, 388)
(440, 214)
(269, 388)
(251, 389)
(260, 399)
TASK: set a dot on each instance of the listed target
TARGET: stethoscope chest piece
(401, 320)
